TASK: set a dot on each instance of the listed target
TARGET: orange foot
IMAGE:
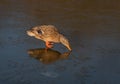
(49, 44)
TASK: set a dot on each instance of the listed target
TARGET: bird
(50, 35)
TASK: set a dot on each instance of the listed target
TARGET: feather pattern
(49, 33)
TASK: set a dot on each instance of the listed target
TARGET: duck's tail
(65, 42)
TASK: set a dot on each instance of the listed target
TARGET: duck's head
(42, 30)
(34, 31)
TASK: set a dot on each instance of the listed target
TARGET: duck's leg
(48, 44)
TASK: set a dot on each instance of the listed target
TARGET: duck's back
(50, 33)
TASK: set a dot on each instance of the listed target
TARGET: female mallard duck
(49, 34)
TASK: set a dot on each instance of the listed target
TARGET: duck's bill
(30, 33)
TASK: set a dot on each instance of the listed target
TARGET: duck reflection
(48, 56)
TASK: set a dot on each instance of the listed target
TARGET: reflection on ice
(48, 56)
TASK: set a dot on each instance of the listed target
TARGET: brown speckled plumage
(48, 33)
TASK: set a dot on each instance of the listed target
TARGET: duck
(50, 35)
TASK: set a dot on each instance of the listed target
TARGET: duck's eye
(39, 31)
